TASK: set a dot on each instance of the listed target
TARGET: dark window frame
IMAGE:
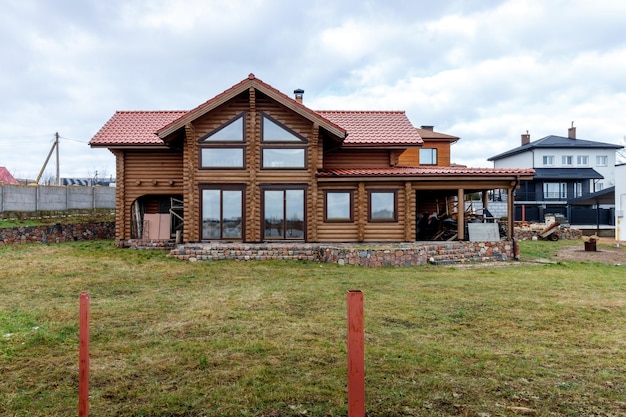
(221, 188)
(370, 219)
(283, 144)
(284, 188)
(351, 203)
(433, 151)
(223, 144)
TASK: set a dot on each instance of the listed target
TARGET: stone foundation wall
(398, 255)
(57, 233)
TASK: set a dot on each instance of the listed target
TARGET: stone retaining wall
(399, 255)
(57, 233)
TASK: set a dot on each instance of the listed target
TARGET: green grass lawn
(174, 338)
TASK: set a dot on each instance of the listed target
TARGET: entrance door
(283, 214)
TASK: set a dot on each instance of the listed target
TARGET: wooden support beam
(461, 214)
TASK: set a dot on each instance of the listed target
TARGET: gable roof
(355, 128)
(128, 128)
(556, 142)
(244, 85)
(7, 178)
(375, 128)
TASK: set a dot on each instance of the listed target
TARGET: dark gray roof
(567, 174)
(606, 196)
(556, 142)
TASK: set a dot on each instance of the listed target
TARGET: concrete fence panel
(51, 198)
(104, 197)
(80, 198)
(29, 199)
(19, 198)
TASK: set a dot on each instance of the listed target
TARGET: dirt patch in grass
(606, 252)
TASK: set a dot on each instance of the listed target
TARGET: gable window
(224, 147)
(548, 160)
(283, 213)
(602, 160)
(222, 213)
(567, 159)
(383, 206)
(554, 190)
(428, 156)
(582, 160)
(281, 147)
(338, 206)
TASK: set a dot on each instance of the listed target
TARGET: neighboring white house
(620, 202)
(567, 169)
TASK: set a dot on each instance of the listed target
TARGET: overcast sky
(484, 70)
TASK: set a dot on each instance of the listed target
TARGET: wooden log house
(255, 165)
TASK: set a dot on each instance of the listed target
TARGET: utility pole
(54, 145)
(56, 142)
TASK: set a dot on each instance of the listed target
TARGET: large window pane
(382, 205)
(295, 214)
(211, 214)
(274, 212)
(222, 157)
(231, 214)
(283, 158)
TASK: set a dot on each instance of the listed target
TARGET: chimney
(525, 138)
(571, 132)
(428, 128)
(298, 93)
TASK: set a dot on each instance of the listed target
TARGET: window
(281, 147)
(567, 160)
(428, 156)
(283, 158)
(602, 160)
(578, 189)
(548, 160)
(582, 160)
(554, 190)
(222, 214)
(338, 206)
(283, 214)
(599, 186)
(383, 206)
(222, 157)
(224, 147)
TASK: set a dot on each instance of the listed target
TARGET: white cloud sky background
(484, 70)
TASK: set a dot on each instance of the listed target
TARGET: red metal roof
(364, 128)
(251, 82)
(7, 178)
(375, 128)
(134, 128)
(424, 172)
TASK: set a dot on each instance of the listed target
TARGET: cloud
(486, 71)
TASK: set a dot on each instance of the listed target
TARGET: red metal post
(83, 356)
(356, 355)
